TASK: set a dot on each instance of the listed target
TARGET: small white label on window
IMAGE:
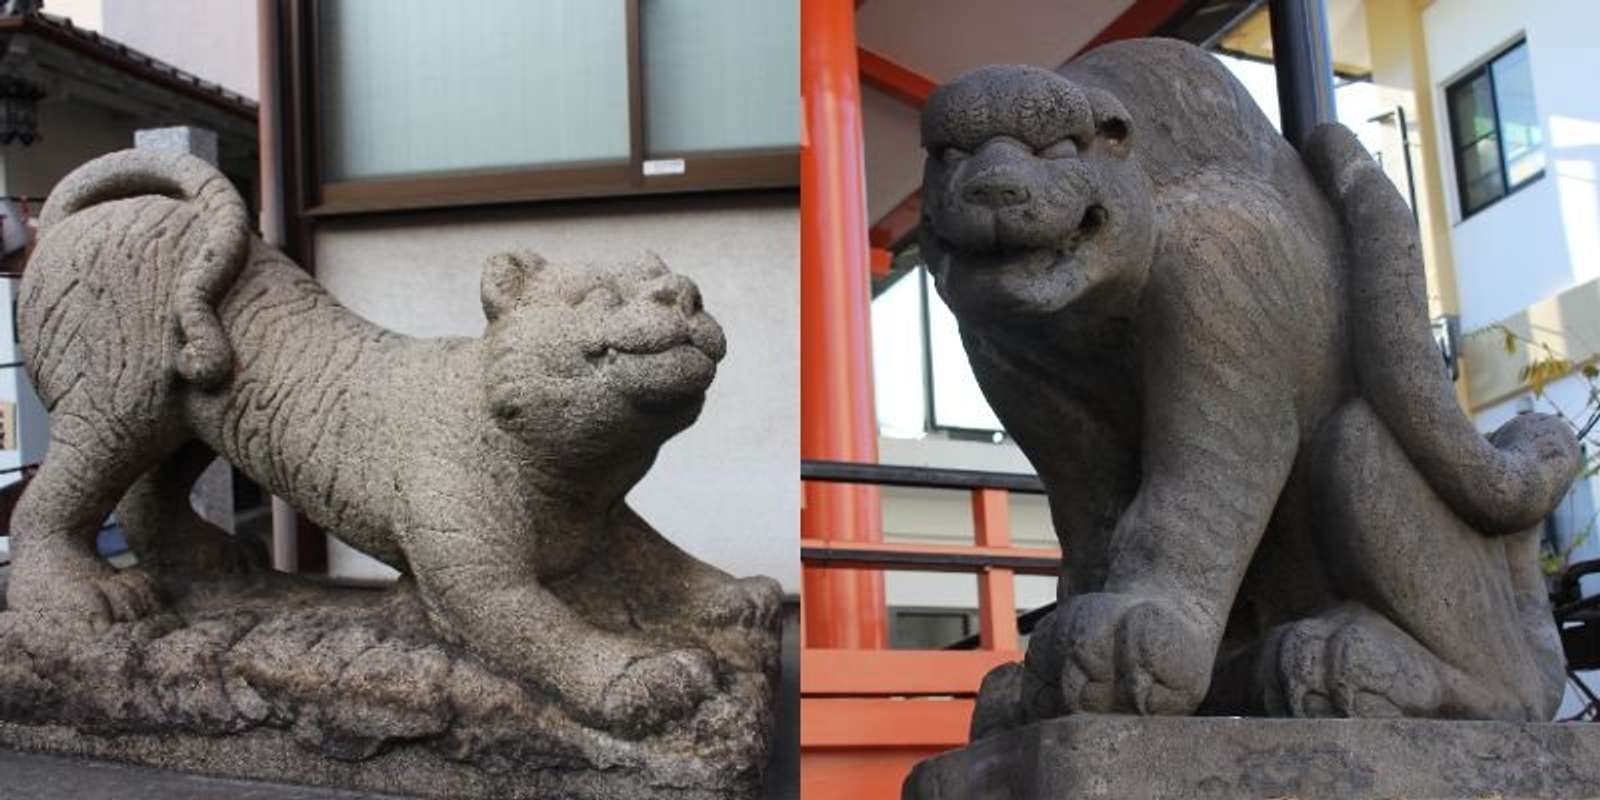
(664, 166)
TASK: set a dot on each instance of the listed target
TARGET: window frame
(1457, 147)
(710, 171)
(898, 614)
(930, 400)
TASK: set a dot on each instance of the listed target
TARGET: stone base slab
(1201, 758)
(283, 680)
(37, 777)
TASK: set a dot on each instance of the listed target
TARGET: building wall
(715, 487)
(1546, 237)
(1531, 261)
(73, 131)
(87, 14)
(725, 489)
(215, 39)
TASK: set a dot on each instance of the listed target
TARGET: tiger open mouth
(657, 376)
(1002, 256)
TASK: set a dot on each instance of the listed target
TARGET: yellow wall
(1569, 323)
(1400, 73)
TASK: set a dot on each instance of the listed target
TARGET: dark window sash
(703, 172)
(1463, 182)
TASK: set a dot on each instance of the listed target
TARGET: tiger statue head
(593, 359)
(1033, 203)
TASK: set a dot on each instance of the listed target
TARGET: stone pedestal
(36, 777)
(200, 142)
(281, 679)
(1197, 758)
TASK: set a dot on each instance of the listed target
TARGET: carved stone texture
(1215, 351)
(543, 628)
(1113, 757)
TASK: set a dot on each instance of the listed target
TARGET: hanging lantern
(19, 110)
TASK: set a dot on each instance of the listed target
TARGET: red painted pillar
(843, 608)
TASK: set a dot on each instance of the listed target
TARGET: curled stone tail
(206, 358)
(1505, 483)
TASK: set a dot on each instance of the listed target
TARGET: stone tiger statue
(490, 471)
(1215, 350)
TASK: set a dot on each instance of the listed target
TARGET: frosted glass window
(720, 75)
(419, 86)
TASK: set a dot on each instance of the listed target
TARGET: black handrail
(857, 558)
(918, 477)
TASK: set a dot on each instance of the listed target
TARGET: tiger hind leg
(166, 533)
(55, 568)
(1429, 584)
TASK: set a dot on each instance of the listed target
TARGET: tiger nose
(676, 291)
(995, 190)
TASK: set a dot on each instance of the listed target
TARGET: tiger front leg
(483, 595)
(1219, 442)
(679, 595)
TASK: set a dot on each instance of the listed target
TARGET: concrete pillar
(212, 495)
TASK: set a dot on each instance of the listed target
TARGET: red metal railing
(867, 716)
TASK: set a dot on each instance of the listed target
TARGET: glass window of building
(420, 104)
(1495, 130)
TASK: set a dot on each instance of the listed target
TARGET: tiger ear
(505, 280)
(1113, 127)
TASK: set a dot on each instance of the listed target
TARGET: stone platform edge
(272, 755)
(1224, 758)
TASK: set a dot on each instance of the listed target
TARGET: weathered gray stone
(1215, 350)
(545, 640)
(1194, 758)
(41, 777)
(212, 494)
(198, 142)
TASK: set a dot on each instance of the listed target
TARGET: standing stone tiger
(492, 471)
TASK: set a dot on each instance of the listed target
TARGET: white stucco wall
(87, 14)
(727, 489)
(215, 39)
(1545, 237)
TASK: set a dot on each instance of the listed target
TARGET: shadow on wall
(1575, 162)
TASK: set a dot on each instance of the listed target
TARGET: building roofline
(60, 31)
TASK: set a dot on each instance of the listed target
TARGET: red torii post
(842, 608)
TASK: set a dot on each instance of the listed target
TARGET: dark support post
(1302, 57)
